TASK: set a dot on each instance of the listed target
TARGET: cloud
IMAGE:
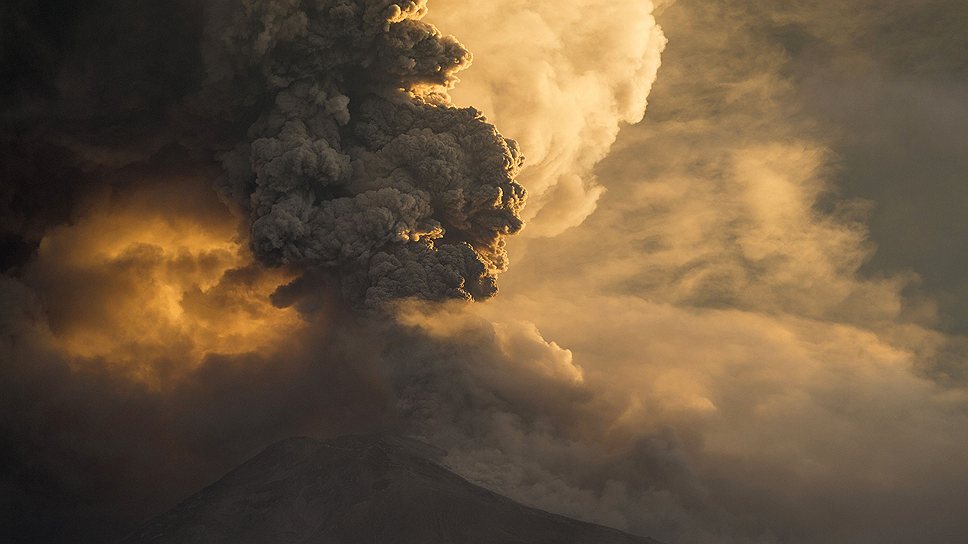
(331, 123)
(720, 295)
(561, 79)
(91, 449)
(891, 94)
(152, 279)
(149, 343)
(699, 354)
(359, 164)
(774, 426)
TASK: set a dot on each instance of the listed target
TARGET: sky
(730, 308)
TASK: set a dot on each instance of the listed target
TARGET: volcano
(370, 489)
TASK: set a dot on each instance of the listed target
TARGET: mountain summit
(359, 490)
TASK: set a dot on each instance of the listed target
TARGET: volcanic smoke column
(356, 163)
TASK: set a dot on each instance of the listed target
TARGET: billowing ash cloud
(139, 352)
(355, 161)
(330, 120)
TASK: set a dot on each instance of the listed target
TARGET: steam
(562, 78)
(144, 304)
(749, 378)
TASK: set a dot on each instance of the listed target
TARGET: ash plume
(357, 163)
(705, 359)
(330, 119)
(137, 296)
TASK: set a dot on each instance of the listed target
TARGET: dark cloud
(330, 119)
(357, 163)
(89, 453)
(88, 87)
(130, 305)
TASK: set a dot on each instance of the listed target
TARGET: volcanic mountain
(359, 490)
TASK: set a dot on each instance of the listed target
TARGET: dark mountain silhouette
(360, 490)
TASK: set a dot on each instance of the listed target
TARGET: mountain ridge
(360, 489)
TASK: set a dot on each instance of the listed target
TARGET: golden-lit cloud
(718, 296)
(797, 420)
(560, 78)
(519, 343)
(141, 283)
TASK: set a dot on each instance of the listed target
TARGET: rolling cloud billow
(332, 123)
(357, 162)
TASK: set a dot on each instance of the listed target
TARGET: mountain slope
(359, 490)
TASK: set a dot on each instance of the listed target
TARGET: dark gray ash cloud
(356, 162)
(330, 119)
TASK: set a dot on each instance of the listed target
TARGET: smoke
(90, 451)
(195, 211)
(358, 164)
(204, 210)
